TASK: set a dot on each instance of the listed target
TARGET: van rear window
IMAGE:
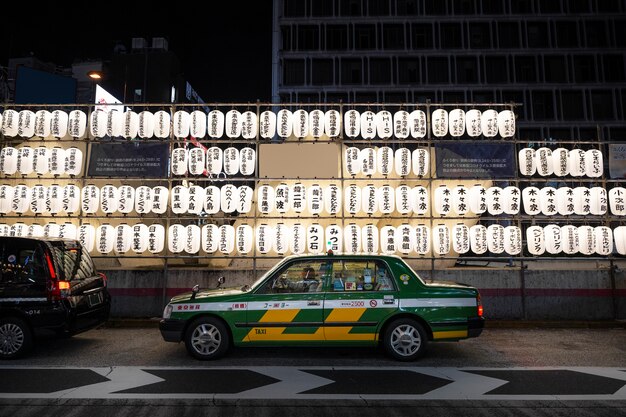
(73, 260)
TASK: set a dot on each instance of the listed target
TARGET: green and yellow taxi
(326, 300)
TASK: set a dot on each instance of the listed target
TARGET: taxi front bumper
(172, 330)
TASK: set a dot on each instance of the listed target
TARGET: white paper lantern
(314, 199)
(182, 123)
(544, 162)
(38, 198)
(105, 238)
(405, 239)
(139, 238)
(249, 125)
(115, 123)
(594, 163)
(73, 162)
(599, 201)
(443, 200)
(421, 162)
(352, 239)
(197, 161)
(130, 126)
(456, 122)
(527, 161)
(281, 238)
(560, 162)
(192, 239)
(460, 238)
(403, 196)
(569, 239)
(565, 201)
(300, 123)
(478, 199)
(420, 200)
(577, 163)
(6, 198)
(586, 240)
(284, 123)
(215, 124)
(384, 160)
(401, 124)
(368, 125)
(495, 204)
(35, 230)
(267, 124)
(388, 240)
(281, 199)
(368, 161)
(439, 122)
(266, 199)
(489, 123)
(478, 239)
(422, 239)
(71, 199)
(243, 239)
(334, 238)
(384, 124)
(228, 198)
(233, 124)
(97, 125)
(162, 121)
(506, 123)
(582, 201)
(145, 128)
(210, 233)
(54, 199)
(332, 123)
(386, 199)
(143, 200)
(26, 124)
(535, 241)
(25, 159)
(156, 238)
(5, 230)
(403, 162)
(10, 120)
(417, 124)
(512, 240)
(316, 123)
(460, 200)
(40, 160)
(231, 161)
(42, 123)
(617, 201)
(297, 239)
(552, 239)
(77, 124)
(511, 200)
(179, 161)
(369, 199)
(352, 123)
(180, 199)
(21, 199)
(160, 196)
(195, 202)
(604, 240)
(264, 238)
(56, 161)
(530, 198)
(214, 160)
(369, 238)
(198, 124)
(495, 238)
(8, 160)
(441, 240)
(244, 199)
(123, 238)
(352, 198)
(298, 197)
(473, 124)
(619, 237)
(109, 199)
(547, 201)
(352, 161)
(247, 161)
(90, 199)
(58, 123)
(86, 235)
(332, 199)
(21, 230)
(176, 238)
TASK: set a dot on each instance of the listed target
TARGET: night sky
(225, 54)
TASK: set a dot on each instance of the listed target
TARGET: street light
(95, 75)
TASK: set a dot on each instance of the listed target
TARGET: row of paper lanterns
(199, 161)
(369, 161)
(561, 162)
(314, 238)
(41, 160)
(234, 124)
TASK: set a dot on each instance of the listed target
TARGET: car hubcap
(206, 339)
(405, 340)
(11, 338)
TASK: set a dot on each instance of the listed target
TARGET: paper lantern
(212, 199)
(401, 124)
(179, 161)
(593, 163)
(21, 199)
(249, 125)
(443, 200)
(195, 202)
(192, 239)
(215, 124)
(264, 238)
(281, 200)
(115, 123)
(506, 123)
(71, 198)
(284, 123)
(420, 200)
(247, 161)
(403, 162)
(90, 199)
(35, 230)
(352, 161)
(86, 235)
(159, 199)
(209, 238)
(176, 238)
(547, 201)
(544, 162)
(26, 124)
(619, 237)
(478, 239)
(332, 199)
(495, 238)
(565, 201)
(180, 199)
(582, 201)
(577, 163)
(6, 198)
(267, 124)
(109, 199)
(196, 159)
(63, 231)
(586, 240)
(569, 239)
(369, 238)
(535, 240)
(214, 160)
(145, 125)
(300, 123)
(368, 125)
(530, 198)
(369, 199)
(182, 123)
(298, 197)
(231, 161)
(162, 121)
(73, 162)
(386, 199)
(297, 239)
(456, 122)
(42, 123)
(384, 160)
(384, 124)
(10, 123)
(368, 161)
(422, 239)
(5, 230)
(139, 238)
(266, 199)
(97, 125)
(478, 199)
(123, 238)
(316, 123)
(105, 238)
(552, 239)
(460, 238)
(511, 199)
(243, 239)
(473, 124)
(130, 126)
(527, 161)
(314, 199)
(441, 240)
(232, 122)
(38, 198)
(20, 230)
(244, 199)
(8, 160)
(25, 159)
(197, 124)
(598, 201)
(58, 123)
(417, 124)
(617, 201)
(40, 160)
(156, 238)
(560, 162)
(332, 123)
(489, 123)
(604, 240)
(228, 198)
(143, 200)
(334, 238)
(512, 240)
(421, 161)
(281, 238)
(439, 122)
(352, 239)
(56, 161)
(388, 239)
(460, 200)
(77, 124)
(352, 123)
(54, 199)
(404, 205)
(405, 239)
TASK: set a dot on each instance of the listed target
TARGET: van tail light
(105, 280)
(57, 290)
(479, 305)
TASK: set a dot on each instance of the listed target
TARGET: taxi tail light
(479, 306)
(105, 280)
(57, 289)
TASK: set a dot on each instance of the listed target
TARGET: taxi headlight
(167, 312)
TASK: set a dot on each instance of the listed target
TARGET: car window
(361, 275)
(73, 260)
(22, 263)
(297, 277)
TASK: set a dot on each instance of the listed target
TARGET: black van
(47, 284)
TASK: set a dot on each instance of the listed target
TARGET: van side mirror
(220, 281)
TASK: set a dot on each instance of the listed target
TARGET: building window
(537, 35)
(336, 97)
(480, 36)
(602, 105)
(482, 97)
(613, 68)
(496, 70)
(409, 70)
(308, 97)
(293, 8)
(286, 37)
(422, 35)
(463, 7)
(393, 36)
(308, 38)
(351, 71)
(551, 6)
(555, 69)
(572, 105)
(522, 6)
(435, 7)
(378, 7)
(438, 71)
(451, 35)
(595, 33)
(321, 7)
(578, 6)
(365, 97)
(525, 69)
(620, 32)
(508, 35)
(407, 7)
(350, 7)
(380, 71)
(466, 70)
(566, 34)
(543, 105)
(395, 97)
(293, 72)
(453, 97)
(365, 36)
(492, 6)
(584, 69)
(322, 71)
(336, 37)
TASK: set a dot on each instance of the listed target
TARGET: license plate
(94, 299)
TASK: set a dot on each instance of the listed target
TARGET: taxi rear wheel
(207, 338)
(16, 338)
(405, 339)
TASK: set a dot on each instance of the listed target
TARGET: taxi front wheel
(207, 338)
(405, 339)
